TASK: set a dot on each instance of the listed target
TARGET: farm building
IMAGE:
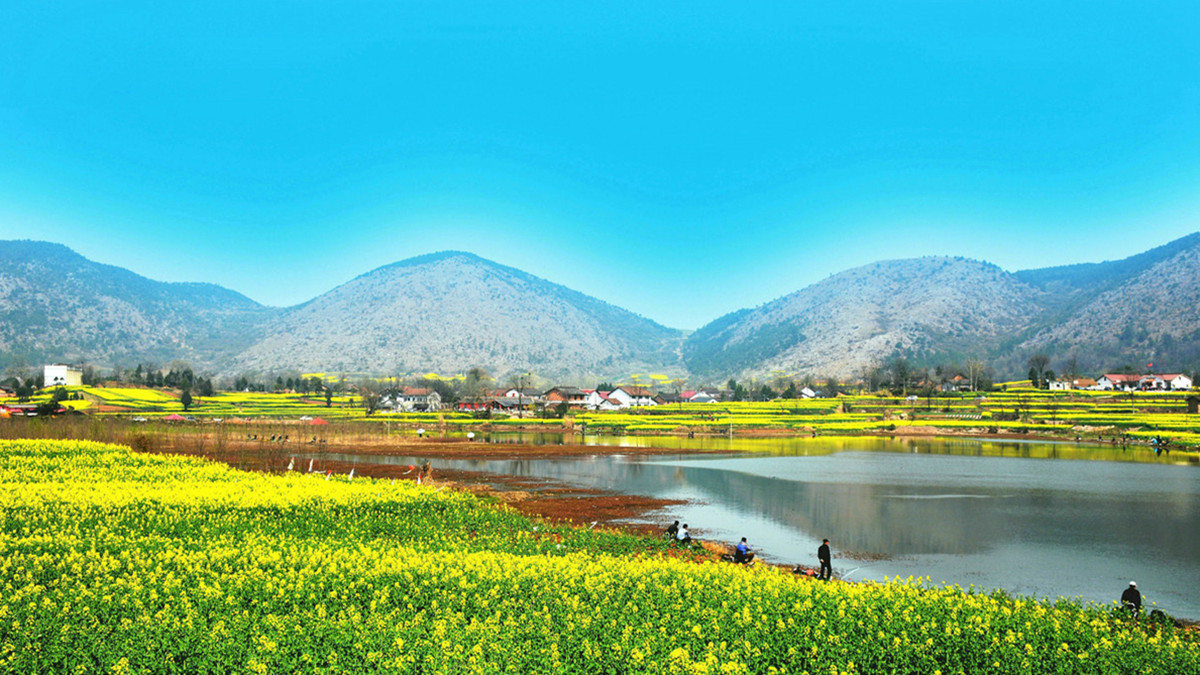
(58, 374)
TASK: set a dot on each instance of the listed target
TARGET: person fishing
(823, 556)
(1131, 600)
(743, 554)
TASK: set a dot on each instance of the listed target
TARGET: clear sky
(679, 159)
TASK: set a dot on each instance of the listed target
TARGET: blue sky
(679, 159)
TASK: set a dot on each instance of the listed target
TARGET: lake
(1032, 518)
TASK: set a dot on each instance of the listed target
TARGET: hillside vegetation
(451, 311)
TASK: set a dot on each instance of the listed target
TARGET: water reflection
(995, 514)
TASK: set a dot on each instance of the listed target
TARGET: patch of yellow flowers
(116, 562)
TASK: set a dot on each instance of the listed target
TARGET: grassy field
(118, 562)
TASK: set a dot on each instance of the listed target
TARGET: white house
(633, 397)
(1152, 382)
(1118, 382)
(410, 399)
(1176, 381)
(59, 374)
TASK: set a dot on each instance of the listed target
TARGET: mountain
(1089, 317)
(922, 307)
(56, 305)
(448, 312)
(1143, 309)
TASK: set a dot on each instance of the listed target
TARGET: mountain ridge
(447, 311)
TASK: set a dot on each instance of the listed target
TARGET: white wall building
(59, 374)
(1177, 381)
(633, 397)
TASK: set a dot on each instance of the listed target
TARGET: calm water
(1024, 517)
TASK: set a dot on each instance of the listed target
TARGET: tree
(974, 373)
(51, 407)
(1037, 369)
(370, 395)
(186, 399)
(900, 373)
(476, 384)
(328, 397)
(1071, 369)
(874, 376)
(832, 386)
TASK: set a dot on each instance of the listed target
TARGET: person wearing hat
(1131, 599)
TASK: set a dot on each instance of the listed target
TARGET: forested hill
(56, 305)
(840, 326)
(1148, 313)
(1141, 309)
(448, 312)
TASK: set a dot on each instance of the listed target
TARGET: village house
(1167, 381)
(1063, 384)
(601, 400)
(57, 374)
(412, 399)
(1151, 382)
(701, 396)
(633, 397)
(572, 396)
(523, 397)
(1118, 382)
(956, 383)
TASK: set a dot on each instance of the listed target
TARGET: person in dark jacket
(673, 529)
(1131, 599)
(823, 555)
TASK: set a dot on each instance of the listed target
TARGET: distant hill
(447, 312)
(1143, 309)
(56, 305)
(926, 308)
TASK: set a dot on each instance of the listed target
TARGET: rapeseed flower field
(117, 562)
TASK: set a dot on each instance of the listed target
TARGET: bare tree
(1071, 369)
(371, 394)
(975, 370)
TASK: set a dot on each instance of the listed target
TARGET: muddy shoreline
(539, 498)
